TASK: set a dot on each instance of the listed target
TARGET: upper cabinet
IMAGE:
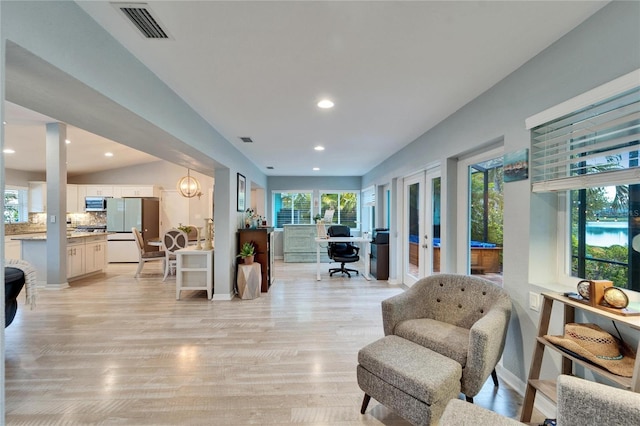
(122, 191)
(99, 191)
(77, 193)
(72, 199)
(139, 191)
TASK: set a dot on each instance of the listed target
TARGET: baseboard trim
(42, 285)
(542, 404)
(225, 297)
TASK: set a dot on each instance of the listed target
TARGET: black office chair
(342, 252)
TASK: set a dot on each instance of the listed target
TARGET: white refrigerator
(124, 214)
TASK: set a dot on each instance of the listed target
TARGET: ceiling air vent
(141, 16)
(270, 167)
(246, 139)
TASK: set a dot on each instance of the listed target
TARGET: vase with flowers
(252, 218)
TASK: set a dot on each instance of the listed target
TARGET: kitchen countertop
(71, 236)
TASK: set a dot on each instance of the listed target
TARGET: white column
(226, 227)
(2, 345)
(56, 205)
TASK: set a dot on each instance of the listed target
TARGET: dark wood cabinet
(379, 268)
(262, 239)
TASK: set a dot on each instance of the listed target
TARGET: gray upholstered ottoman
(412, 380)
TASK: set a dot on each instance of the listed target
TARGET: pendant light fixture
(189, 186)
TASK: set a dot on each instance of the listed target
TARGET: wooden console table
(262, 239)
(548, 387)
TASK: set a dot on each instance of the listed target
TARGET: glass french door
(421, 234)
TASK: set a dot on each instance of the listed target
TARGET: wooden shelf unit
(194, 270)
(548, 387)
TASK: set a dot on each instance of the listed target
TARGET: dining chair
(143, 255)
(174, 239)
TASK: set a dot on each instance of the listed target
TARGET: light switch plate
(534, 301)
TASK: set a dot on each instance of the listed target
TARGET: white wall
(22, 178)
(604, 47)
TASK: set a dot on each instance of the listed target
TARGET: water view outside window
(601, 224)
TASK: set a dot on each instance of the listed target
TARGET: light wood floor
(115, 350)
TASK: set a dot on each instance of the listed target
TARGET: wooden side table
(249, 280)
(194, 270)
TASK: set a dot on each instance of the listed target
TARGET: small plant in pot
(247, 252)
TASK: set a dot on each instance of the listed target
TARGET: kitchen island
(86, 254)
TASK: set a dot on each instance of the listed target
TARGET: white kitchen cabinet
(139, 191)
(82, 193)
(12, 249)
(75, 259)
(95, 255)
(99, 191)
(37, 197)
(72, 199)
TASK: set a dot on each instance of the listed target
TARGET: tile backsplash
(38, 222)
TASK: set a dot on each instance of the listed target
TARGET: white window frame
(23, 202)
(563, 239)
(292, 191)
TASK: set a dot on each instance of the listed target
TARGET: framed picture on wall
(242, 193)
(516, 165)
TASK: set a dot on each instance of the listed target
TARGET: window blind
(369, 197)
(596, 144)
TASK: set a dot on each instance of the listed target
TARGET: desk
(194, 270)
(154, 243)
(360, 240)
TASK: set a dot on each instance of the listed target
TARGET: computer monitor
(328, 215)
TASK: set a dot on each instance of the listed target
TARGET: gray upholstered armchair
(580, 403)
(462, 317)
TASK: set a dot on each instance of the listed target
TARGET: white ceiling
(393, 68)
(25, 134)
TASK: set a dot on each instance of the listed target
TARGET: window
(589, 146)
(487, 205)
(601, 225)
(368, 215)
(292, 208)
(15, 205)
(346, 206)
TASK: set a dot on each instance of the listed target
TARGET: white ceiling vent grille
(141, 16)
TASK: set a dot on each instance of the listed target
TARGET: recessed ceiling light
(4, 122)
(8, 151)
(67, 141)
(325, 103)
(108, 154)
(319, 148)
(315, 169)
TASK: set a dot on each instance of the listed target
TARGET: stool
(249, 280)
(412, 380)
